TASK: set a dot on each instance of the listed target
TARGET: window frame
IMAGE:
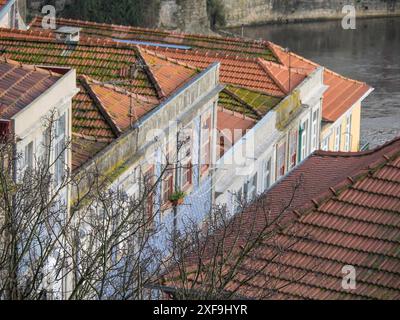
(205, 142)
(338, 138)
(281, 159)
(267, 173)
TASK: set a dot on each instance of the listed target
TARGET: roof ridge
(208, 53)
(272, 75)
(31, 67)
(117, 89)
(235, 114)
(152, 77)
(167, 32)
(322, 153)
(333, 192)
(103, 111)
(161, 56)
(41, 36)
(91, 138)
(274, 45)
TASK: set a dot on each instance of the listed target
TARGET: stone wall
(247, 12)
(184, 15)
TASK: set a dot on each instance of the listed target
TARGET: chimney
(68, 34)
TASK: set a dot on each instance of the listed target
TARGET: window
(237, 199)
(293, 149)
(281, 160)
(314, 136)
(205, 142)
(60, 154)
(348, 133)
(338, 135)
(167, 188)
(28, 156)
(187, 172)
(186, 168)
(304, 139)
(251, 188)
(60, 163)
(148, 188)
(267, 174)
(325, 144)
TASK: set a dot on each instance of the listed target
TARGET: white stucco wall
(260, 144)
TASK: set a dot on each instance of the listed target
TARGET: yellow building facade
(345, 133)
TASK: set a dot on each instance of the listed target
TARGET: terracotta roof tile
(101, 60)
(20, 85)
(237, 58)
(169, 74)
(342, 93)
(346, 211)
(200, 42)
(87, 120)
(123, 108)
(243, 72)
(84, 149)
(233, 125)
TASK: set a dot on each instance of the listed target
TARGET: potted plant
(177, 198)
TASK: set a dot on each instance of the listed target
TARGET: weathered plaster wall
(238, 12)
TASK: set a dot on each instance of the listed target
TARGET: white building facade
(281, 140)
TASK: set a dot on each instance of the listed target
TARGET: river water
(371, 53)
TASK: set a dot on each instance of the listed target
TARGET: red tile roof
(122, 108)
(20, 85)
(233, 125)
(120, 79)
(85, 149)
(87, 120)
(200, 42)
(169, 74)
(335, 209)
(235, 70)
(342, 93)
(238, 57)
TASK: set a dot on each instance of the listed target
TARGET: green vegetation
(177, 196)
(262, 103)
(125, 12)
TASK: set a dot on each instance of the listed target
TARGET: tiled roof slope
(122, 108)
(87, 120)
(236, 70)
(168, 74)
(20, 85)
(200, 42)
(345, 210)
(84, 149)
(342, 92)
(101, 60)
(341, 95)
(119, 83)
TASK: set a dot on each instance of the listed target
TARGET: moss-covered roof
(103, 62)
(259, 103)
(201, 42)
